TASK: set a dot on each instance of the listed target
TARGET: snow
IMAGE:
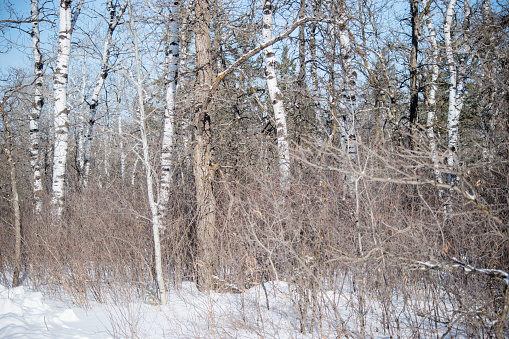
(189, 314)
(263, 311)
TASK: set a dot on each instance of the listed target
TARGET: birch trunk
(168, 143)
(432, 96)
(36, 110)
(203, 169)
(81, 121)
(276, 98)
(94, 100)
(456, 88)
(60, 111)
(146, 160)
(314, 78)
(348, 98)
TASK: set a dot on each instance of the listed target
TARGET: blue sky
(17, 44)
(15, 41)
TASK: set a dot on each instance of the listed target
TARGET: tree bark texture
(414, 91)
(168, 143)
(203, 169)
(276, 98)
(61, 111)
(430, 123)
(36, 110)
(348, 100)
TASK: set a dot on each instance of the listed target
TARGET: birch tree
(61, 112)
(156, 224)
(168, 143)
(36, 110)
(431, 116)
(276, 98)
(348, 100)
(456, 89)
(105, 68)
(314, 77)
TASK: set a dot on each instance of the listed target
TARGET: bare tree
(168, 142)
(36, 110)
(276, 98)
(66, 23)
(105, 68)
(203, 167)
(156, 223)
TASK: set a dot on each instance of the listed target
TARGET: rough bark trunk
(36, 110)
(301, 101)
(61, 111)
(414, 92)
(203, 169)
(276, 98)
(168, 143)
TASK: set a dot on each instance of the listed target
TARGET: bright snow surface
(189, 314)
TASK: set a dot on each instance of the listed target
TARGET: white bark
(314, 77)
(146, 160)
(94, 100)
(453, 113)
(276, 97)
(61, 112)
(168, 143)
(432, 96)
(81, 121)
(456, 87)
(36, 110)
(348, 101)
(122, 155)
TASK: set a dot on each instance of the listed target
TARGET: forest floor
(189, 314)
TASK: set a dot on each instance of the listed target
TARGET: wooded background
(237, 142)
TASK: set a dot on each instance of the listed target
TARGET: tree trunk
(348, 100)
(146, 162)
(203, 169)
(301, 100)
(414, 92)
(168, 143)
(94, 100)
(314, 78)
(276, 98)
(432, 96)
(61, 111)
(36, 110)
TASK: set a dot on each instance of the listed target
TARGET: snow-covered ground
(193, 314)
(189, 314)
